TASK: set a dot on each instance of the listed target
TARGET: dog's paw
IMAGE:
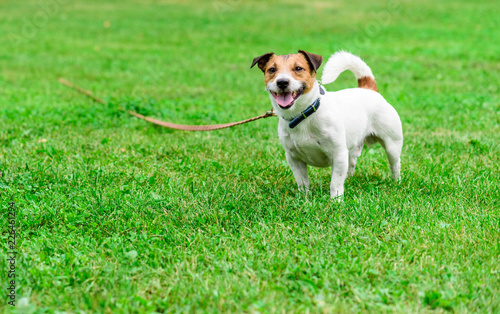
(337, 194)
(339, 198)
(303, 188)
(303, 191)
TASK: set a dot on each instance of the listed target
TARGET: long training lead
(170, 125)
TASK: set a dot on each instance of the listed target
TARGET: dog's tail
(341, 61)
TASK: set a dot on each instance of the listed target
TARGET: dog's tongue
(284, 99)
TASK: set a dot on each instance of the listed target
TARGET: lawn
(116, 215)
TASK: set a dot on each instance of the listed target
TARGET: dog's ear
(262, 60)
(313, 60)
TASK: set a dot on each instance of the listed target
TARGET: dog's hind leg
(393, 152)
(299, 170)
(353, 157)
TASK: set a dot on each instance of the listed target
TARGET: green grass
(117, 215)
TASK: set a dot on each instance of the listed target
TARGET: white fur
(334, 136)
(342, 61)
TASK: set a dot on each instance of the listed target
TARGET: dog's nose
(283, 83)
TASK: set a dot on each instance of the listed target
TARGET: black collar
(306, 113)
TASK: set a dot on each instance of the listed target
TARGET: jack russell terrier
(324, 129)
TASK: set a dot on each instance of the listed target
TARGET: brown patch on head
(262, 60)
(313, 60)
(368, 83)
(274, 66)
(301, 70)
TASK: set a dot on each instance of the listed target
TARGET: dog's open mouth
(286, 99)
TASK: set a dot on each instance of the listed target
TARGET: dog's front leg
(299, 169)
(339, 173)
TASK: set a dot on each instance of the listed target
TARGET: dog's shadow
(363, 184)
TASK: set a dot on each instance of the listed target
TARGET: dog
(328, 129)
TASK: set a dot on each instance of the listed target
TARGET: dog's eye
(298, 69)
(271, 70)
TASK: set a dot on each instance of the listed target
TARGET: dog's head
(289, 78)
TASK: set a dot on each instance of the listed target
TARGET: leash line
(170, 125)
(81, 90)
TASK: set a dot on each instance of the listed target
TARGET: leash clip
(270, 113)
